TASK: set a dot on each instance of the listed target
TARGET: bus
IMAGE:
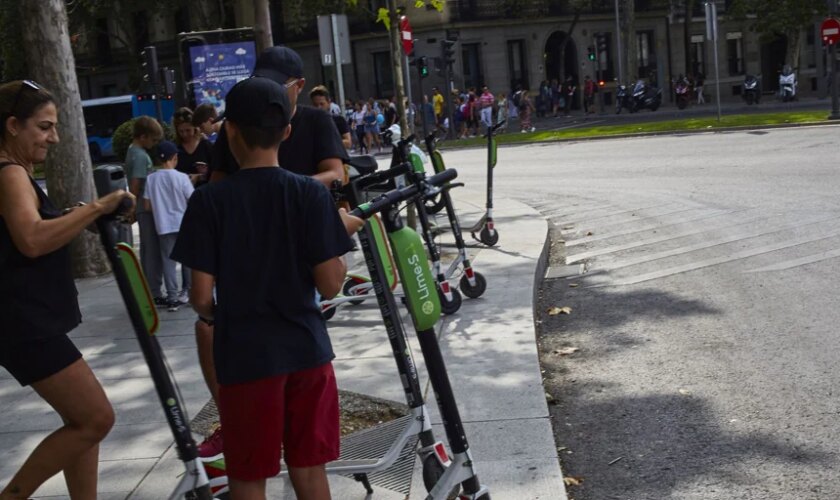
(105, 114)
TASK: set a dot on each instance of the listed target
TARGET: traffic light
(167, 76)
(150, 64)
(447, 50)
(591, 53)
(601, 42)
(601, 83)
(422, 66)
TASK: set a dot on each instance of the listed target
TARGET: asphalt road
(707, 320)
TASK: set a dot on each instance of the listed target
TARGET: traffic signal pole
(835, 95)
(150, 62)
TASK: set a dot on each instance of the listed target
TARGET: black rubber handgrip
(393, 197)
(382, 176)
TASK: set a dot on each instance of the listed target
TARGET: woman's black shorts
(33, 361)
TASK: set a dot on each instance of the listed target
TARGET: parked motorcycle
(641, 96)
(682, 92)
(787, 84)
(622, 100)
(752, 89)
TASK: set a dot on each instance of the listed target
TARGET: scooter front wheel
(435, 204)
(432, 472)
(450, 306)
(476, 291)
(488, 239)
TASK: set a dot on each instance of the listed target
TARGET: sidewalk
(489, 346)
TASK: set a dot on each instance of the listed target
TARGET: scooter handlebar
(393, 197)
(382, 176)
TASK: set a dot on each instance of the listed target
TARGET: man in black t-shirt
(267, 239)
(314, 147)
(320, 98)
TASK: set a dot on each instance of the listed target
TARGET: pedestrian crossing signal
(591, 53)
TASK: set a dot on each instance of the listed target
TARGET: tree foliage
(12, 62)
(771, 18)
(85, 16)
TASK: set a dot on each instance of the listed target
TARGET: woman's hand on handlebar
(351, 223)
(111, 202)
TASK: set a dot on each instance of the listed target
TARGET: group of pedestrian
(252, 219)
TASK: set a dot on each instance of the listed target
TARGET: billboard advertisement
(218, 67)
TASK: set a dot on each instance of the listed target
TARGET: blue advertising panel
(218, 67)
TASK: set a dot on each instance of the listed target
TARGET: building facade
(501, 44)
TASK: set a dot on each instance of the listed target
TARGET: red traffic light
(601, 83)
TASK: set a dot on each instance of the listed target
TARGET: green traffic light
(591, 56)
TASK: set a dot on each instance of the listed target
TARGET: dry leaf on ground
(573, 481)
(566, 351)
(554, 311)
(573, 285)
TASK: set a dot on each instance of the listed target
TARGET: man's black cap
(259, 102)
(280, 64)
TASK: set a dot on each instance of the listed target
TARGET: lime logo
(170, 402)
(428, 307)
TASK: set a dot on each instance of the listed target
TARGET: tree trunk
(631, 69)
(794, 48)
(689, 8)
(262, 25)
(68, 167)
(399, 89)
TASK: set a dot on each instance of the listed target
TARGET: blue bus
(104, 115)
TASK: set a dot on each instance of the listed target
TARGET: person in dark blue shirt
(268, 238)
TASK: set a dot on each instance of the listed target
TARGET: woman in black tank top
(38, 305)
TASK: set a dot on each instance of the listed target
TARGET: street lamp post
(618, 45)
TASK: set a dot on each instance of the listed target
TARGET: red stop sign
(406, 36)
(830, 31)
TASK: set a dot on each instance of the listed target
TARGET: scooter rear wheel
(488, 239)
(350, 283)
(329, 313)
(476, 291)
(452, 306)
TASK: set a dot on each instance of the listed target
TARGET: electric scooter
(194, 484)
(472, 284)
(424, 307)
(485, 226)
(450, 298)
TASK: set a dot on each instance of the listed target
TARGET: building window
(382, 74)
(697, 63)
(605, 58)
(517, 64)
(471, 58)
(735, 53)
(141, 29)
(646, 54)
(103, 42)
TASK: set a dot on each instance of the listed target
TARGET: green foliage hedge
(123, 136)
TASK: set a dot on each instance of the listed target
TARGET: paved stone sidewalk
(489, 347)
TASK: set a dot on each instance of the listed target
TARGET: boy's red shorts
(296, 413)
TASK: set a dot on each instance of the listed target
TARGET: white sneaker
(533, 129)
(184, 297)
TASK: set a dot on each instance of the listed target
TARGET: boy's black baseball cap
(280, 64)
(258, 102)
(166, 150)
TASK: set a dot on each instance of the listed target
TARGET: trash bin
(107, 179)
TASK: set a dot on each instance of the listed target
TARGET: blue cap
(166, 150)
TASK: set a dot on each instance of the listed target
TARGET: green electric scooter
(424, 307)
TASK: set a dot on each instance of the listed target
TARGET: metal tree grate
(370, 443)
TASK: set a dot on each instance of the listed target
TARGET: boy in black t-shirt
(268, 238)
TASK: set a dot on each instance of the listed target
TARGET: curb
(655, 134)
